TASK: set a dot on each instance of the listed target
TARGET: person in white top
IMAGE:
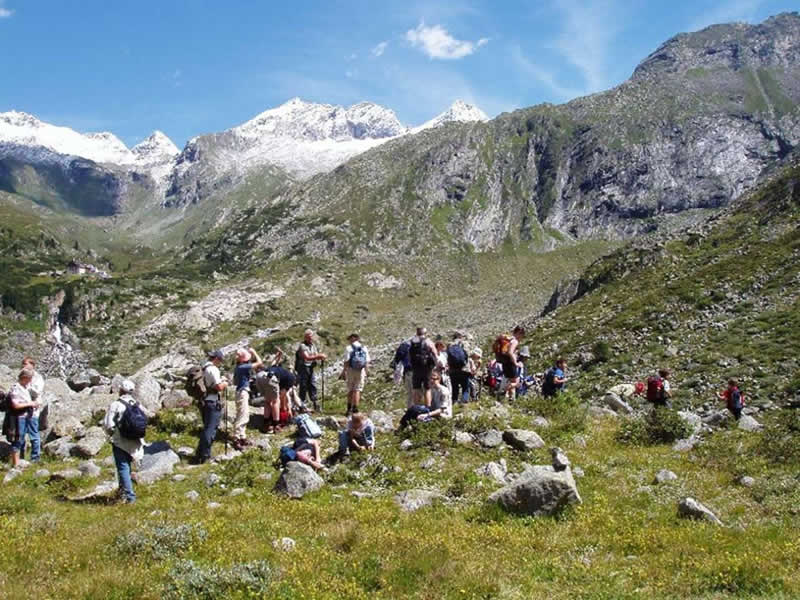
(441, 403)
(125, 450)
(15, 421)
(212, 406)
(354, 371)
(36, 390)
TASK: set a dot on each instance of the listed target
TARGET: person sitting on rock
(734, 398)
(125, 450)
(441, 403)
(20, 406)
(247, 360)
(359, 435)
(36, 390)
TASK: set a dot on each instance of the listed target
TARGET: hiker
(494, 375)
(505, 352)
(126, 450)
(734, 398)
(423, 356)
(526, 382)
(36, 390)
(659, 391)
(554, 379)
(359, 435)
(306, 357)
(401, 363)
(475, 367)
(354, 371)
(626, 391)
(277, 407)
(211, 407)
(441, 360)
(20, 406)
(441, 404)
(306, 451)
(247, 360)
(460, 370)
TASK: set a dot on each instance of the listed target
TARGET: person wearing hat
(306, 357)
(526, 382)
(354, 371)
(125, 450)
(212, 404)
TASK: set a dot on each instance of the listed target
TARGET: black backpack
(132, 424)
(456, 357)
(549, 382)
(420, 354)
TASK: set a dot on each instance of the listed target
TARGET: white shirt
(440, 399)
(133, 447)
(20, 394)
(36, 389)
(212, 378)
(349, 352)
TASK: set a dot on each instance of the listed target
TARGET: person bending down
(359, 435)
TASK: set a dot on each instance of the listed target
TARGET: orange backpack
(501, 346)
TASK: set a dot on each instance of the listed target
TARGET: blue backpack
(287, 454)
(358, 358)
(132, 424)
(456, 357)
(307, 427)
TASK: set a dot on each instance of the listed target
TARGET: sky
(188, 67)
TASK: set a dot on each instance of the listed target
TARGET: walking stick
(226, 420)
(322, 402)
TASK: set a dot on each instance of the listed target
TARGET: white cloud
(529, 69)
(733, 10)
(436, 42)
(5, 13)
(378, 50)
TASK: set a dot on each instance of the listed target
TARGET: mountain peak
(156, 148)
(459, 112)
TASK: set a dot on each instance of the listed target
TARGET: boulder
(95, 378)
(176, 398)
(522, 439)
(158, 462)
(148, 392)
(382, 420)
(412, 500)
(490, 439)
(64, 423)
(748, 423)
(297, 480)
(617, 404)
(58, 388)
(539, 490)
(463, 438)
(716, 418)
(60, 448)
(90, 444)
(79, 382)
(689, 508)
(691, 419)
(116, 381)
(664, 476)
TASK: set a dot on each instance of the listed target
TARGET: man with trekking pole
(306, 357)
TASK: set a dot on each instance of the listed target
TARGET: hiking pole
(226, 420)
(322, 402)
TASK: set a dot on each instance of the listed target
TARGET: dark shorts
(421, 379)
(509, 368)
(302, 444)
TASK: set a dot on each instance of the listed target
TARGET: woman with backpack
(354, 371)
(734, 398)
(127, 446)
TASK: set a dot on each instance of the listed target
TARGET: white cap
(127, 386)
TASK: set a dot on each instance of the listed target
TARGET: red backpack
(655, 389)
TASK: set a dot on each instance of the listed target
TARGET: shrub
(161, 541)
(566, 412)
(436, 433)
(601, 351)
(660, 426)
(780, 441)
(176, 421)
(244, 470)
(188, 579)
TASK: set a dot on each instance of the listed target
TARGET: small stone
(179, 477)
(89, 469)
(213, 505)
(237, 491)
(12, 475)
(412, 500)
(406, 445)
(264, 477)
(746, 481)
(328, 422)
(192, 495)
(42, 474)
(664, 476)
(689, 508)
(284, 544)
(462, 437)
(490, 439)
(577, 472)
(684, 445)
(540, 422)
(213, 479)
(66, 474)
(185, 452)
(360, 495)
(560, 460)
(494, 470)
(579, 441)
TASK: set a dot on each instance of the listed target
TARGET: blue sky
(191, 67)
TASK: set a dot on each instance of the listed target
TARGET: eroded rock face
(539, 490)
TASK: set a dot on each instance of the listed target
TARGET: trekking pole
(226, 421)
(322, 402)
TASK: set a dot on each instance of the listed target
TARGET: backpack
(5, 403)
(358, 358)
(401, 355)
(132, 425)
(287, 454)
(655, 389)
(501, 346)
(456, 357)
(307, 427)
(420, 354)
(736, 401)
(196, 383)
(549, 382)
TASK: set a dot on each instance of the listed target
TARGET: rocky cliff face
(699, 123)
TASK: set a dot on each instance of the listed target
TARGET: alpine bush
(659, 426)
(191, 580)
(160, 541)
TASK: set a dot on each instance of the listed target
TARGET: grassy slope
(624, 541)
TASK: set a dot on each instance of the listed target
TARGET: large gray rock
(297, 480)
(490, 439)
(716, 418)
(412, 500)
(79, 382)
(58, 387)
(60, 448)
(177, 398)
(158, 462)
(689, 508)
(91, 444)
(522, 439)
(329, 422)
(382, 420)
(617, 404)
(148, 392)
(748, 423)
(89, 469)
(540, 490)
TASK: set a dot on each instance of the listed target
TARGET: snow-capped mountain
(26, 137)
(459, 111)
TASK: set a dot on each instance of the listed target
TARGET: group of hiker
(433, 372)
